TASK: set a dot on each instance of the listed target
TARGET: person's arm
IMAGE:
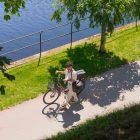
(60, 72)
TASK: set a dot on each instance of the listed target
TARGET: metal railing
(40, 42)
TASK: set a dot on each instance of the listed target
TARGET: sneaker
(73, 101)
(62, 107)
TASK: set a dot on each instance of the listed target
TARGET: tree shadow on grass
(104, 89)
(87, 57)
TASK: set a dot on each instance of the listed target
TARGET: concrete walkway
(32, 120)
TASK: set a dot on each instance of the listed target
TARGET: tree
(135, 11)
(104, 13)
(3, 62)
(11, 7)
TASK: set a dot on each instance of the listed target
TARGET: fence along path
(41, 40)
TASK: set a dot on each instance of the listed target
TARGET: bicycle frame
(57, 85)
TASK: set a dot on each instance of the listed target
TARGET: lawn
(31, 81)
(119, 125)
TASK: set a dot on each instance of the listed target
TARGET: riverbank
(64, 47)
(31, 81)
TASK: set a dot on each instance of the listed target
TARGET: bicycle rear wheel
(47, 99)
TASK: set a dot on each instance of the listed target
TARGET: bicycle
(56, 88)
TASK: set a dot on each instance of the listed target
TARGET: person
(70, 78)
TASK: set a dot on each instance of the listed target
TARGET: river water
(35, 17)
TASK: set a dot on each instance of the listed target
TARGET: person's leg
(70, 96)
(67, 100)
(75, 96)
(63, 106)
(73, 93)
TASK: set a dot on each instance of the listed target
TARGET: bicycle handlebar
(56, 78)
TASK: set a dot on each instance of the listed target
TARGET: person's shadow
(68, 116)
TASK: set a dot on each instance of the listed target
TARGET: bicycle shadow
(67, 117)
(50, 110)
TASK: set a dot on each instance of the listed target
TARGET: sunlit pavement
(32, 120)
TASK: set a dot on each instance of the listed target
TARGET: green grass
(119, 125)
(31, 81)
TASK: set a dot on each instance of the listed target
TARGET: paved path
(112, 90)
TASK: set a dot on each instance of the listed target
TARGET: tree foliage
(11, 7)
(135, 12)
(3, 62)
(104, 13)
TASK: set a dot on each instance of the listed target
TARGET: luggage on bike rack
(81, 75)
(79, 85)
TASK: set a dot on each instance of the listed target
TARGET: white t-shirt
(69, 74)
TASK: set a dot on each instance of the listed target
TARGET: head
(69, 66)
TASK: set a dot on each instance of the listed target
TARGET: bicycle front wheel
(50, 97)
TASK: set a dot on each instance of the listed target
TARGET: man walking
(70, 78)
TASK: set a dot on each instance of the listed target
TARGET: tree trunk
(103, 39)
(136, 24)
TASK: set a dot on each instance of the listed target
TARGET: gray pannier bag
(81, 75)
(79, 84)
